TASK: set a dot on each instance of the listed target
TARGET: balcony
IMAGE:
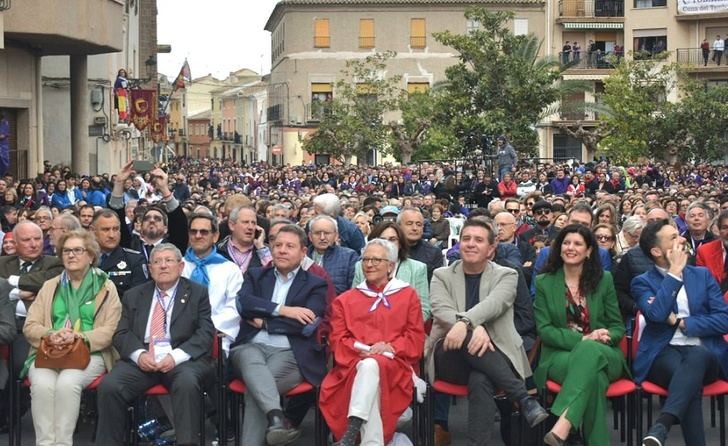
(315, 111)
(53, 27)
(693, 60)
(274, 113)
(585, 61)
(591, 8)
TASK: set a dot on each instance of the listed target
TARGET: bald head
(506, 226)
(657, 214)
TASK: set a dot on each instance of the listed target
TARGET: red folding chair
(715, 390)
(237, 389)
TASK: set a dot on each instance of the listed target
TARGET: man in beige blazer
(474, 340)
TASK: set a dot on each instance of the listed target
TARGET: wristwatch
(467, 321)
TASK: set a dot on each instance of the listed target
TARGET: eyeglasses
(604, 238)
(514, 211)
(152, 218)
(75, 251)
(202, 232)
(158, 262)
(375, 261)
(392, 239)
(542, 212)
(43, 218)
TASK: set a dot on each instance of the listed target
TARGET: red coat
(507, 190)
(710, 255)
(401, 326)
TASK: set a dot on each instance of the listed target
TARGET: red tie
(157, 330)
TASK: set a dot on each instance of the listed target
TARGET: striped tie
(157, 329)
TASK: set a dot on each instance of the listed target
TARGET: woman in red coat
(371, 383)
(507, 188)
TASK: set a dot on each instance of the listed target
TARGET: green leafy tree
(699, 119)
(351, 123)
(638, 113)
(499, 86)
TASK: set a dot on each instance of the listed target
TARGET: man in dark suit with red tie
(712, 255)
(164, 337)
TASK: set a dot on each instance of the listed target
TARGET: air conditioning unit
(100, 120)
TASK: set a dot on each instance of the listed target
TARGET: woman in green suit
(407, 270)
(579, 323)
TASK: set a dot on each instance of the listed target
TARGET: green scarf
(90, 286)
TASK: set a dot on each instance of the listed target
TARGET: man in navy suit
(276, 349)
(164, 337)
(682, 347)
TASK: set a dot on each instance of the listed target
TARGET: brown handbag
(69, 356)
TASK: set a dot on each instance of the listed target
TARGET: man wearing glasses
(542, 213)
(338, 261)
(156, 219)
(513, 206)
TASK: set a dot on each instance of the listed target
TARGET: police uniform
(126, 268)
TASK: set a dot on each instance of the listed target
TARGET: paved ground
(458, 417)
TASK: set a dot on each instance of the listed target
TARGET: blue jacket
(339, 263)
(656, 296)
(96, 197)
(307, 290)
(543, 256)
(62, 200)
(350, 235)
(558, 187)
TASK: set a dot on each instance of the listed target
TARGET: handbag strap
(96, 313)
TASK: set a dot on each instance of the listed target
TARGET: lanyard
(165, 308)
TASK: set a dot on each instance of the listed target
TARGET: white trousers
(364, 402)
(56, 400)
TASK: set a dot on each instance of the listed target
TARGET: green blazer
(550, 313)
(410, 271)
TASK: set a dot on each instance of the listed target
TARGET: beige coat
(495, 311)
(39, 322)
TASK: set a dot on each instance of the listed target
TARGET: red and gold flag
(143, 108)
(159, 130)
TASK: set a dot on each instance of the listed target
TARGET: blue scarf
(199, 274)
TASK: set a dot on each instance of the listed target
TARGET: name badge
(160, 348)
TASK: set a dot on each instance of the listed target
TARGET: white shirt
(719, 45)
(225, 282)
(280, 293)
(20, 310)
(683, 311)
(177, 354)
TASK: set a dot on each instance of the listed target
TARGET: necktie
(104, 256)
(25, 267)
(159, 316)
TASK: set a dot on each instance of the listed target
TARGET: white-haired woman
(377, 337)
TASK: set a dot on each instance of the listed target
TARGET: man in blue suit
(276, 349)
(682, 347)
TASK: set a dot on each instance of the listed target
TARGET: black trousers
(488, 374)
(126, 382)
(684, 370)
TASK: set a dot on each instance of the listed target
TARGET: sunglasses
(152, 218)
(542, 212)
(202, 232)
(604, 238)
(514, 211)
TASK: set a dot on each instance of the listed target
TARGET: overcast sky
(216, 36)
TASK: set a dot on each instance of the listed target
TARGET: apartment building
(619, 28)
(311, 40)
(31, 30)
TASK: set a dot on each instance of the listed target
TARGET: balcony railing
(587, 61)
(315, 111)
(591, 8)
(695, 57)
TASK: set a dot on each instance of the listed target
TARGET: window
(649, 3)
(366, 33)
(418, 38)
(321, 94)
(321, 36)
(472, 25)
(566, 147)
(417, 87)
(648, 42)
(520, 27)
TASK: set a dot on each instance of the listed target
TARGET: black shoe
(533, 412)
(656, 436)
(279, 432)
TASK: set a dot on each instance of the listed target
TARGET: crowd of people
(365, 282)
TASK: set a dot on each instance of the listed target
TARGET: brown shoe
(442, 437)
